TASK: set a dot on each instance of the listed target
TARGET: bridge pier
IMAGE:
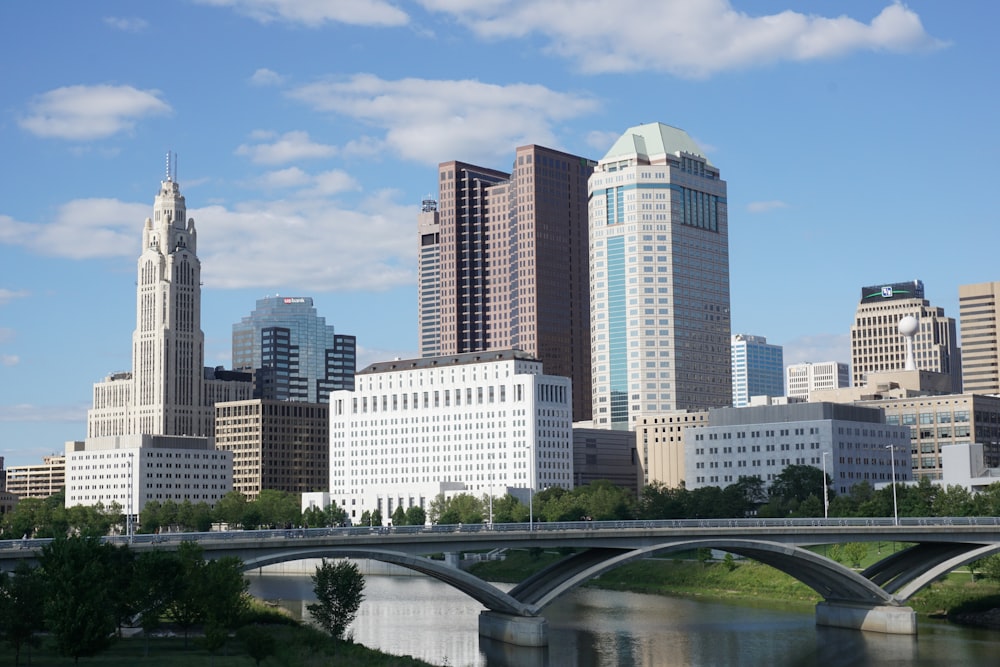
(873, 618)
(516, 630)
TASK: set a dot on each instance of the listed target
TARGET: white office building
(801, 379)
(132, 470)
(478, 423)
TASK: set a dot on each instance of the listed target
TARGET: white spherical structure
(908, 326)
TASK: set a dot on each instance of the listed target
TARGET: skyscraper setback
(168, 391)
(293, 353)
(659, 278)
(510, 253)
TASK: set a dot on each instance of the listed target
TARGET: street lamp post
(895, 506)
(826, 494)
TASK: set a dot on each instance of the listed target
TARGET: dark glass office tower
(294, 354)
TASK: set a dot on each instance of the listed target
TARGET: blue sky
(858, 140)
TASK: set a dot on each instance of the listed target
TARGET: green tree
(335, 515)
(149, 517)
(798, 482)
(187, 607)
(415, 516)
(259, 643)
(314, 517)
(278, 509)
(339, 589)
(366, 518)
(657, 501)
(989, 567)
(224, 598)
(399, 516)
(157, 577)
(377, 517)
(855, 552)
(21, 615)
(231, 508)
(79, 600)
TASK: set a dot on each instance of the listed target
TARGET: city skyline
(306, 141)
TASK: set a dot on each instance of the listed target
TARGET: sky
(857, 138)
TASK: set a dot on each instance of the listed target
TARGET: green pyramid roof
(653, 139)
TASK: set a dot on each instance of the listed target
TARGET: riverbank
(955, 597)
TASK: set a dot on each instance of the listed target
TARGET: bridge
(874, 599)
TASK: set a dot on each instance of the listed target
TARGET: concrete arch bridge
(874, 599)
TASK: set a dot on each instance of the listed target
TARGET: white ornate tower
(168, 344)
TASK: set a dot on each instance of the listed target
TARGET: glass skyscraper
(659, 279)
(294, 354)
(758, 369)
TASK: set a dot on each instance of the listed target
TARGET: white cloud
(266, 77)
(126, 24)
(306, 241)
(9, 360)
(8, 295)
(289, 147)
(293, 177)
(308, 244)
(81, 229)
(688, 38)
(27, 412)
(81, 113)
(430, 121)
(765, 206)
(314, 13)
(817, 348)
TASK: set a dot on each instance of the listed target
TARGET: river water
(422, 617)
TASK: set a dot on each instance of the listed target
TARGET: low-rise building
(38, 481)
(131, 470)
(851, 443)
(660, 443)
(606, 454)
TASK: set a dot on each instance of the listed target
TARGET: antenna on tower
(168, 166)
(171, 162)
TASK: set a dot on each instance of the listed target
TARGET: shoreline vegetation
(958, 597)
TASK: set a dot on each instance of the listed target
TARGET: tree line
(84, 591)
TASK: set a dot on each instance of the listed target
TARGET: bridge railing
(293, 533)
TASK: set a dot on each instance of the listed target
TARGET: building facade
(479, 423)
(979, 319)
(292, 352)
(429, 278)
(660, 442)
(659, 279)
(758, 368)
(132, 470)
(851, 443)
(168, 391)
(278, 445)
(511, 263)
(934, 422)
(802, 379)
(38, 481)
(608, 455)
(877, 345)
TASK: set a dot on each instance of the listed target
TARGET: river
(422, 617)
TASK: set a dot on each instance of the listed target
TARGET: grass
(295, 646)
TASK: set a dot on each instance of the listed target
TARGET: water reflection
(592, 628)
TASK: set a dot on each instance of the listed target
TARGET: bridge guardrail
(293, 533)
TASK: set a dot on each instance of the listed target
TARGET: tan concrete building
(38, 481)
(979, 319)
(802, 379)
(877, 345)
(279, 445)
(660, 445)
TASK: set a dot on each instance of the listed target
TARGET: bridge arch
(483, 592)
(831, 580)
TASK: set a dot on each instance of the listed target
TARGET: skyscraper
(877, 345)
(294, 354)
(512, 259)
(979, 319)
(168, 391)
(758, 369)
(659, 279)
(429, 278)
